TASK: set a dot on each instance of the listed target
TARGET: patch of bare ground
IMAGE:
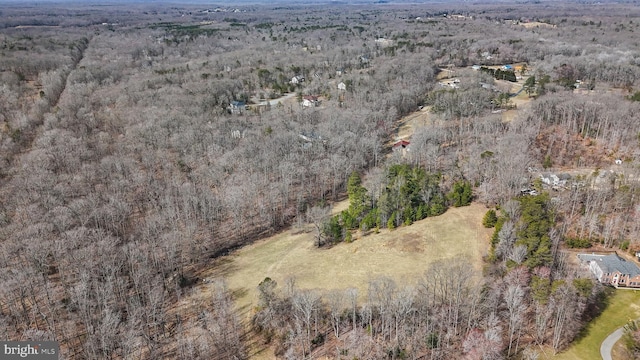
(537, 24)
(445, 74)
(520, 101)
(620, 352)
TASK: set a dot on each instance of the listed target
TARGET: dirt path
(273, 102)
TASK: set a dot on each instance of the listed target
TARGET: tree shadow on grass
(594, 310)
(256, 344)
(222, 268)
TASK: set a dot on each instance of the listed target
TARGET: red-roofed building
(310, 100)
(401, 144)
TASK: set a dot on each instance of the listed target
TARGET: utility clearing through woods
(402, 254)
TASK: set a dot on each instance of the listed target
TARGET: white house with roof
(297, 79)
(310, 101)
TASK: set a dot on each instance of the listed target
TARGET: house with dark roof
(401, 145)
(612, 270)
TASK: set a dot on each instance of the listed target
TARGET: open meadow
(402, 254)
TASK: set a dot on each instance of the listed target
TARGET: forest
(142, 143)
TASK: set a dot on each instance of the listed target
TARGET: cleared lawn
(623, 306)
(411, 122)
(402, 254)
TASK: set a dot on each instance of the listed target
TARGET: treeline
(500, 74)
(524, 233)
(449, 313)
(529, 297)
(409, 194)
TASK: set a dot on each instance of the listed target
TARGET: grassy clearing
(411, 122)
(623, 306)
(535, 24)
(402, 254)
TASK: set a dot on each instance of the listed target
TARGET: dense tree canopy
(140, 144)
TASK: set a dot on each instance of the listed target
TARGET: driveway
(275, 102)
(607, 344)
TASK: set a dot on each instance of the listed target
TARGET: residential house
(310, 101)
(489, 87)
(339, 71)
(364, 61)
(384, 42)
(457, 17)
(401, 145)
(555, 181)
(310, 138)
(528, 191)
(342, 86)
(237, 107)
(612, 270)
(297, 79)
(452, 83)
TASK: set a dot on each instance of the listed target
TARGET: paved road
(607, 344)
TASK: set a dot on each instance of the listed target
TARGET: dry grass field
(521, 101)
(537, 24)
(408, 124)
(402, 254)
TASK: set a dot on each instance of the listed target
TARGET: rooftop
(611, 263)
(402, 142)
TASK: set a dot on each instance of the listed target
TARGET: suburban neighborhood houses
(612, 270)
